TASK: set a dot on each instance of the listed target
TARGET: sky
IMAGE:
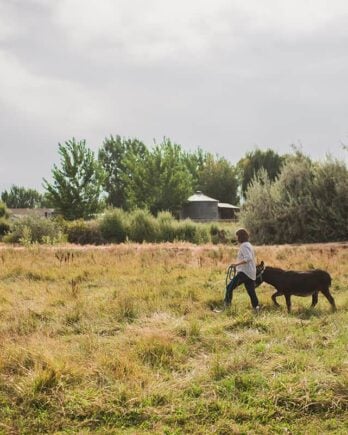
(228, 76)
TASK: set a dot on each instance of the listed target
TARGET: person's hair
(242, 235)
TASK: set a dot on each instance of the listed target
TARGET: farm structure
(200, 207)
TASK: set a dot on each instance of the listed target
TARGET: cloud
(160, 27)
(221, 74)
(46, 99)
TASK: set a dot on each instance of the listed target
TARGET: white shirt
(246, 253)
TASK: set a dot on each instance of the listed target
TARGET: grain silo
(200, 207)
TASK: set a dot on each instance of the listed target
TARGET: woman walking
(245, 270)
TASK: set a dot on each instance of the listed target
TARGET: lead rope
(230, 274)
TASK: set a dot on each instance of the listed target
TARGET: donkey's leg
(274, 296)
(288, 301)
(314, 299)
(327, 294)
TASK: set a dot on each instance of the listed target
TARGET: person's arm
(240, 263)
(246, 254)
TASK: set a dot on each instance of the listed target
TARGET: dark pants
(249, 284)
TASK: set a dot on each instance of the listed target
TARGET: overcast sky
(223, 75)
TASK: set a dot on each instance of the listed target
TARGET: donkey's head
(260, 268)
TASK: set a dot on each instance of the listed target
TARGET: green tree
(219, 179)
(253, 161)
(20, 197)
(195, 162)
(113, 156)
(77, 184)
(161, 180)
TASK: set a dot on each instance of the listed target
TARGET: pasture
(123, 339)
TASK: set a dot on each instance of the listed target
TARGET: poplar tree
(77, 183)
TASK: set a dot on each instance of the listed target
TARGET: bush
(32, 229)
(3, 210)
(84, 233)
(307, 203)
(201, 235)
(189, 231)
(113, 226)
(143, 227)
(4, 226)
(185, 231)
(166, 227)
(221, 235)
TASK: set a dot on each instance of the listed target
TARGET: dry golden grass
(122, 339)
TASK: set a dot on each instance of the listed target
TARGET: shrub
(3, 210)
(221, 235)
(307, 203)
(201, 235)
(143, 227)
(32, 229)
(4, 226)
(189, 231)
(84, 233)
(185, 231)
(166, 227)
(113, 226)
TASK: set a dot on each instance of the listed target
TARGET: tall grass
(122, 339)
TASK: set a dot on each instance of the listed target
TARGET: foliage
(307, 203)
(163, 177)
(123, 340)
(113, 226)
(84, 233)
(161, 181)
(195, 163)
(166, 227)
(3, 210)
(142, 226)
(20, 197)
(76, 188)
(223, 234)
(4, 223)
(33, 229)
(116, 226)
(4, 226)
(113, 157)
(254, 161)
(218, 179)
(188, 231)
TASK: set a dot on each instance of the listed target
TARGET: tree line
(285, 198)
(127, 174)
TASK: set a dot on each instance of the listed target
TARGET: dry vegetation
(123, 339)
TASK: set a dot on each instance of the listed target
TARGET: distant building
(228, 211)
(17, 213)
(202, 207)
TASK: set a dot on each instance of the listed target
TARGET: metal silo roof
(200, 197)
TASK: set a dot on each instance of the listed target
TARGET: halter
(259, 274)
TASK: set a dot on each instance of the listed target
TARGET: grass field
(123, 339)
